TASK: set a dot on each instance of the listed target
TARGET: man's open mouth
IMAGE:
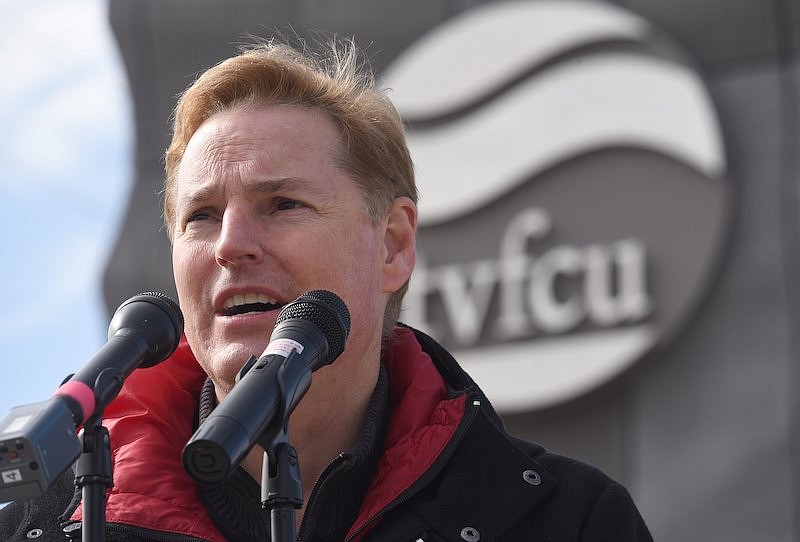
(245, 303)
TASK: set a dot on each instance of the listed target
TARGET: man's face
(262, 215)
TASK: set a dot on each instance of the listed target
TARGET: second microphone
(310, 332)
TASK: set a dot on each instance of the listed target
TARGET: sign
(573, 193)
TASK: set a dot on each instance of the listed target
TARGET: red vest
(151, 420)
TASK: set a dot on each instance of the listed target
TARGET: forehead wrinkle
(266, 186)
(243, 159)
(222, 146)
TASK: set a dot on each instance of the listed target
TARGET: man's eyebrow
(261, 186)
(278, 184)
(204, 193)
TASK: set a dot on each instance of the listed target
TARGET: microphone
(145, 330)
(310, 332)
(38, 441)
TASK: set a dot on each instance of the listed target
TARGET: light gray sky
(65, 174)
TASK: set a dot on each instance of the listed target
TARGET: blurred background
(609, 214)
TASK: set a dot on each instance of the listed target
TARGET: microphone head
(156, 319)
(325, 310)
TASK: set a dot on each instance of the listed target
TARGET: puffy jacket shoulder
(600, 507)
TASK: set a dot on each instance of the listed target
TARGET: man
(289, 173)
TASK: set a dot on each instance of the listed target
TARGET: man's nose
(239, 240)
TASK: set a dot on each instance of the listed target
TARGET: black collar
(235, 505)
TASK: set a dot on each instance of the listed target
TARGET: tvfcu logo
(554, 292)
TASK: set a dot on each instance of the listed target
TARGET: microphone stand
(93, 469)
(281, 487)
(93, 474)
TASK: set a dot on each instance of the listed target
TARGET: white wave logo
(501, 95)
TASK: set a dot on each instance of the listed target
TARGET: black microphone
(310, 332)
(39, 441)
(145, 330)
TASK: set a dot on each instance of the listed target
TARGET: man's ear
(400, 242)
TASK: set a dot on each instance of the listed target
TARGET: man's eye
(197, 216)
(288, 204)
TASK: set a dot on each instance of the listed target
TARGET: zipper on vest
(471, 408)
(149, 534)
(311, 496)
(74, 533)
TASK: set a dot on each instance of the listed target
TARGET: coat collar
(445, 435)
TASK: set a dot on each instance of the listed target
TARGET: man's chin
(223, 367)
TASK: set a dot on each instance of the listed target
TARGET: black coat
(485, 486)
(489, 486)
